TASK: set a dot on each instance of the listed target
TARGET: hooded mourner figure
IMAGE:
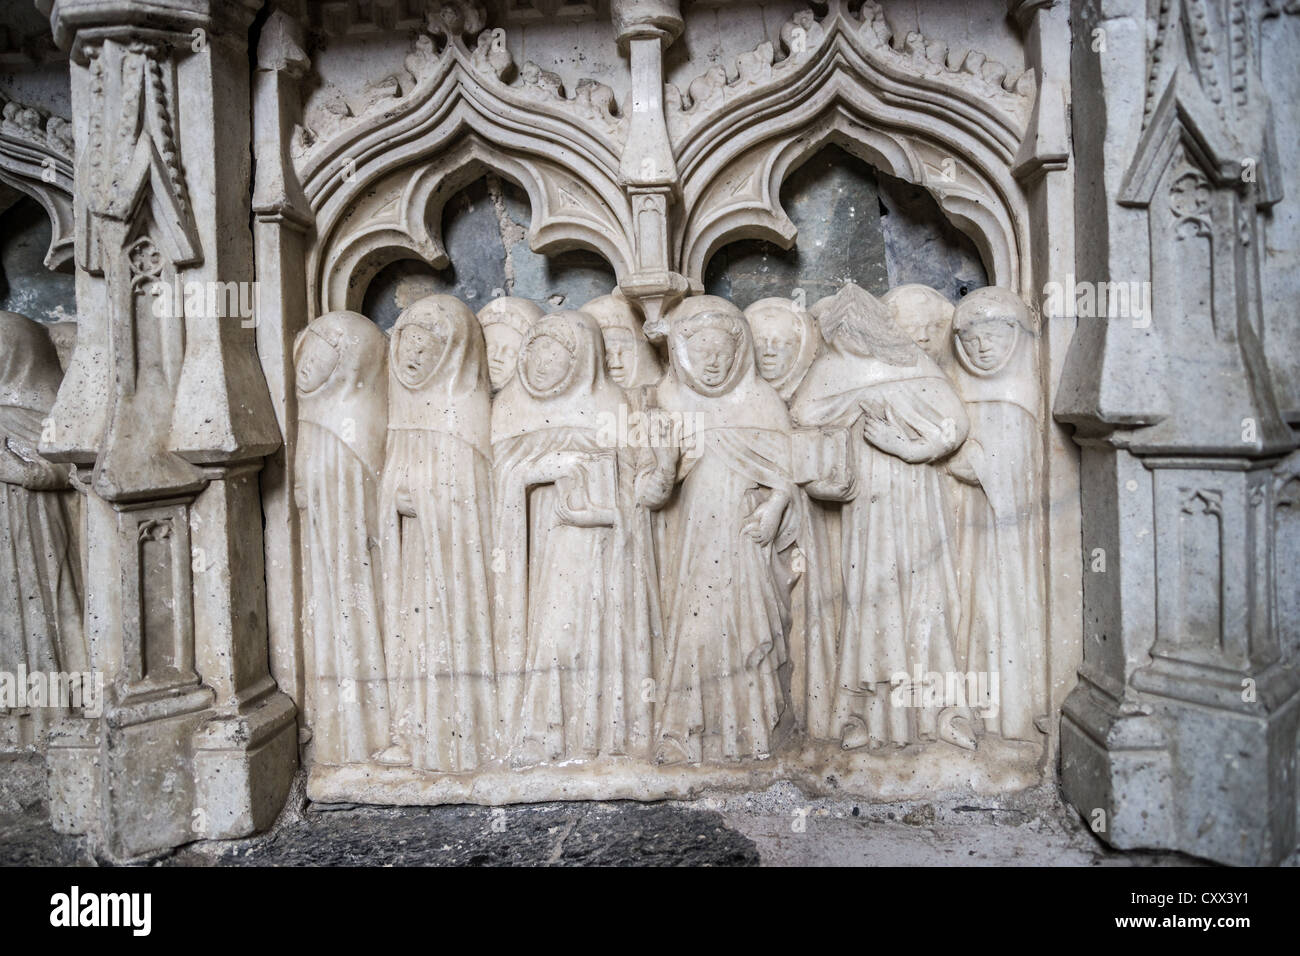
(896, 562)
(40, 603)
(786, 340)
(341, 377)
(925, 315)
(576, 612)
(731, 507)
(629, 356)
(505, 322)
(436, 540)
(999, 529)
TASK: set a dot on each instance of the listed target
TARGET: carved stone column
(282, 219)
(1043, 167)
(645, 29)
(166, 414)
(1182, 731)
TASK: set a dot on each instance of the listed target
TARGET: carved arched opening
(484, 230)
(854, 222)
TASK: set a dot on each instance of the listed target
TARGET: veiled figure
(505, 322)
(436, 536)
(575, 611)
(786, 342)
(40, 596)
(629, 356)
(341, 378)
(926, 315)
(896, 562)
(725, 598)
(999, 530)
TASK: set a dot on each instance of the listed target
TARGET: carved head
(631, 359)
(316, 360)
(708, 337)
(419, 346)
(924, 314)
(560, 352)
(345, 347)
(548, 360)
(987, 326)
(505, 322)
(785, 339)
(855, 321)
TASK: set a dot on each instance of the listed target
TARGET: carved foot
(670, 751)
(528, 753)
(954, 727)
(394, 756)
(856, 736)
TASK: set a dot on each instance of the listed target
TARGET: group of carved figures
(527, 541)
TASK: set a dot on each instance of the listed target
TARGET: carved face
(776, 348)
(316, 362)
(546, 363)
(988, 344)
(711, 353)
(418, 351)
(620, 355)
(502, 353)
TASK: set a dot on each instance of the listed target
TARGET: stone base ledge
(917, 772)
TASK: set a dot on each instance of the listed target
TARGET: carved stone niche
(663, 542)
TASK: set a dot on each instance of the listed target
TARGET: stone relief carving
(40, 606)
(505, 322)
(629, 356)
(455, 37)
(655, 192)
(435, 540)
(341, 377)
(1000, 568)
(725, 610)
(802, 38)
(899, 414)
(36, 159)
(575, 611)
(811, 520)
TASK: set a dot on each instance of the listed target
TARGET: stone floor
(777, 827)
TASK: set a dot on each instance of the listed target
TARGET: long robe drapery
(40, 594)
(809, 570)
(899, 600)
(336, 477)
(726, 600)
(999, 530)
(576, 612)
(436, 539)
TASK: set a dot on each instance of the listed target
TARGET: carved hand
(574, 507)
(840, 485)
(13, 470)
(880, 430)
(765, 520)
(965, 464)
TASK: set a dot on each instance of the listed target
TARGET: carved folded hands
(915, 442)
